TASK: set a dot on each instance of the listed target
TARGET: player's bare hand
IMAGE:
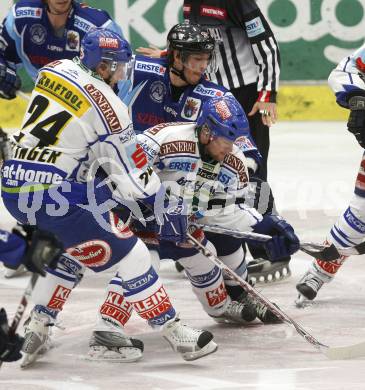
(151, 51)
(268, 112)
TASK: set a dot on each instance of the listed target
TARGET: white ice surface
(312, 169)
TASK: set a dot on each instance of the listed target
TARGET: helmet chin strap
(179, 73)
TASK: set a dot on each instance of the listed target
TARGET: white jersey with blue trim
(212, 190)
(348, 79)
(73, 120)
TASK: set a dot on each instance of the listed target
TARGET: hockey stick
(319, 251)
(258, 296)
(333, 353)
(22, 305)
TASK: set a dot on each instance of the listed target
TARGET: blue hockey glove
(9, 81)
(284, 241)
(173, 222)
(10, 344)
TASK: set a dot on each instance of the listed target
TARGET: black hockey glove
(9, 80)
(10, 345)
(356, 121)
(44, 251)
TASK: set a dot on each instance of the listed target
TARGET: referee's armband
(267, 96)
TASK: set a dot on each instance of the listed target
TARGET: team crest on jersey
(191, 108)
(38, 34)
(73, 41)
(157, 91)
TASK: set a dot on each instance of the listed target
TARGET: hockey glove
(356, 121)
(44, 251)
(9, 80)
(10, 345)
(173, 222)
(284, 241)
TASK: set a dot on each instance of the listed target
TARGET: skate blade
(301, 302)
(28, 359)
(270, 277)
(128, 355)
(210, 348)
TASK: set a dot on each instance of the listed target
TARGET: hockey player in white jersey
(74, 125)
(348, 83)
(200, 162)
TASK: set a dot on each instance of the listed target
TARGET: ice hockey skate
(191, 343)
(264, 271)
(237, 313)
(309, 285)
(37, 337)
(13, 273)
(114, 347)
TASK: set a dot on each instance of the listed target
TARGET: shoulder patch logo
(28, 12)
(254, 27)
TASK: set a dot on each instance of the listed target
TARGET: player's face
(112, 74)
(118, 74)
(195, 66)
(218, 148)
(59, 6)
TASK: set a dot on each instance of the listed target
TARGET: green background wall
(313, 34)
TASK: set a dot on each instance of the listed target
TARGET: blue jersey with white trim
(348, 78)
(28, 38)
(149, 99)
(75, 121)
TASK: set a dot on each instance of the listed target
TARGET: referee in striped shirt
(248, 60)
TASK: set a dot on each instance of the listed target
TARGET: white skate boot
(114, 347)
(191, 343)
(310, 284)
(13, 273)
(37, 337)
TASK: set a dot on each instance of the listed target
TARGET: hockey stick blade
(330, 253)
(348, 352)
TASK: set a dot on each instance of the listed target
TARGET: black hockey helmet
(190, 37)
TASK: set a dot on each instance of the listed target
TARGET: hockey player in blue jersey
(37, 32)
(174, 88)
(53, 169)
